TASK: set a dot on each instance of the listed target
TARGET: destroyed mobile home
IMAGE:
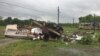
(89, 25)
(34, 31)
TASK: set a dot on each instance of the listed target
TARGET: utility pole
(73, 21)
(58, 16)
(94, 23)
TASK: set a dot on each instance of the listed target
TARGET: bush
(99, 39)
(86, 40)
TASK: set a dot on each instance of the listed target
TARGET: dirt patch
(77, 52)
(25, 53)
(1, 32)
(7, 41)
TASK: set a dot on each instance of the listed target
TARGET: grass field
(51, 48)
(68, 30)
(2, 28)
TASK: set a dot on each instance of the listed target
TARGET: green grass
(2, 27)
(51, 48)
(2, 37)
(68, 30)
(31, 48)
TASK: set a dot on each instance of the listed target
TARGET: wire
(20, 6)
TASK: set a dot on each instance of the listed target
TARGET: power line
(18, 14)
(20, 6)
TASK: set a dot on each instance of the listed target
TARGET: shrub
(86, 40)
(99, 39)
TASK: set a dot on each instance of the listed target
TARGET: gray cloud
(47, 9)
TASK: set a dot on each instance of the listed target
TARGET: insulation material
(36, 31)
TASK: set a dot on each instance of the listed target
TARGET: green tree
(1, 20)
(16, 21)
(8, 20)
(88, 18)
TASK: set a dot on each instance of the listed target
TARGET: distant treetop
(89, 18)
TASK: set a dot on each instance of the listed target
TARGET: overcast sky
(47, 9)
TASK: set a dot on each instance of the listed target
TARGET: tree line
(10, 20)
(89, 19)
